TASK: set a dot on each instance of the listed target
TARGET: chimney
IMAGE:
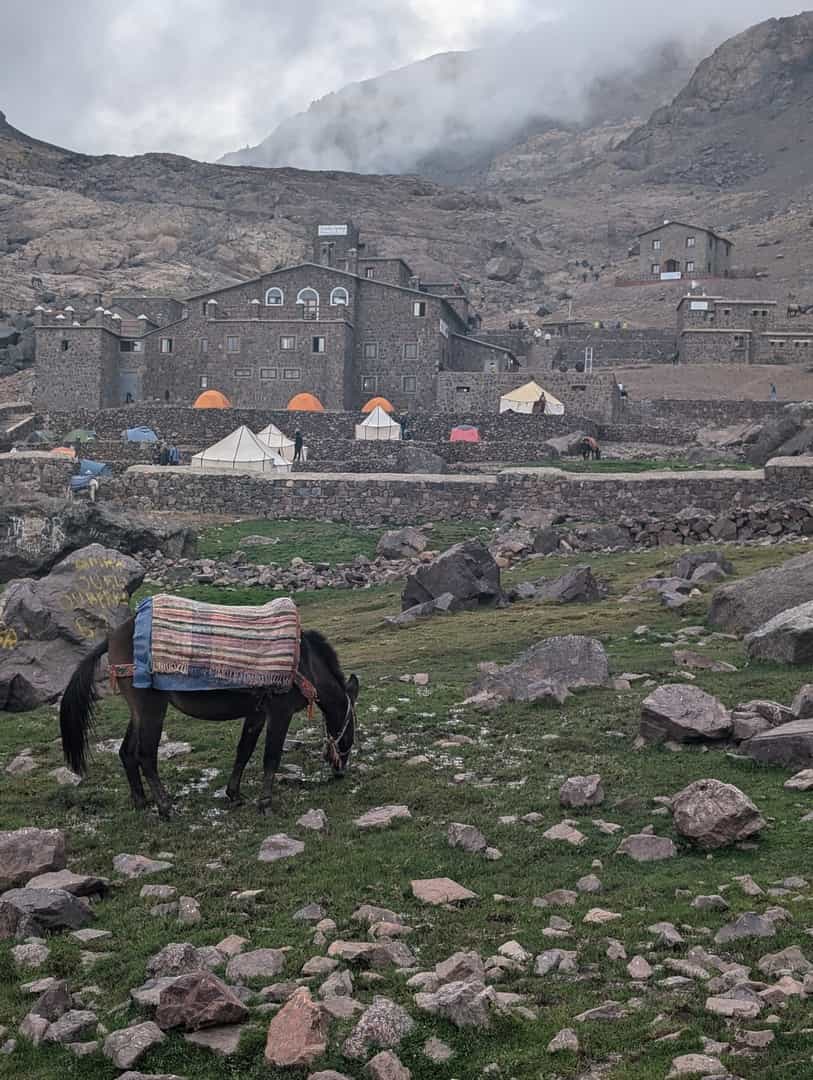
(39, 311)
(98, 316)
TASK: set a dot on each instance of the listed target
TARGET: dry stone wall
(34, 472)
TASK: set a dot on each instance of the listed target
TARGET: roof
(686, 225)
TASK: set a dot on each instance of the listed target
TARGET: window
(291, 373)
(339, 298)
(370, 350)
(232, 344)
(318, 345)
(369, 272)
(656, 268)
(691, 241)
(727, 311)
(65, 344)
(205, 307)
(268, 373)
(419, 309)
(411, 350)
(462, 389)
(738, 341)
(165, 345)
(274, 298)
(656, 245)
(409, 384)
(287, 344)
(203, 382)
(368, 384)
(124, 346)
(204, 345)
(309, 299)
(690, 267)
(242, 373)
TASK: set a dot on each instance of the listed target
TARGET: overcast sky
(201, 77)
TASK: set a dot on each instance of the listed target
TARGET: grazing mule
(318, 665)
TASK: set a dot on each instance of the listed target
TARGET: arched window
(274, 298)
(339, 297)
(309, 298)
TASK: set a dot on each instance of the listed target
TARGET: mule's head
(340, 722)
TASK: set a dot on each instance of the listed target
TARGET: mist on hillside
(590, 61)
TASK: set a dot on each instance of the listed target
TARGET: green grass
(328, 542)
(519, 756)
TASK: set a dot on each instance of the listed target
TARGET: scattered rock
(440, 891)
(257, 964)
(466, 837)
(645, 847)
(401, 543)
(127, 1046)
(382, 1026)
(683, 714)
(579, 792)
(790, 745)
(566, 833)
(465, 1004)
(437, 1051)
(696, 1065)
(381, 817)
(749, 925)
(297, 1035)
(35, 912)
(72, 1026)
(315, 820)
(467, 571)
(564, 1041)
(224, 1041)
(135, 866)
(787, 638)
(24, 853)
(198, 1000)
(715, 815)
(386, 1066)
(745, 605)
(639, 969)
(549, 670)
(279, 846)
(801, 781)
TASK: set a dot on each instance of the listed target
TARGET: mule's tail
(78, 708)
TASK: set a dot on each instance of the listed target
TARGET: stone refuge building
(674, 250)
(712, 329)
(347, 326)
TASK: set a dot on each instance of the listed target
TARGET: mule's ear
(353, 687)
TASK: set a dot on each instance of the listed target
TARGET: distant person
(163, 454)
(774, 396)
(298, 445)
(174, 455)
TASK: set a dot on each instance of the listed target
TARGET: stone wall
(34, 472)
(466, 394)
(77, 368)
(708, 413)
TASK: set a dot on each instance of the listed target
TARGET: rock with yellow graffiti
(48, 625)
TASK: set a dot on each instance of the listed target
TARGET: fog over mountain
(588, 61)
(201, 77)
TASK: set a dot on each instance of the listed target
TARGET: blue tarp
(93, 468)
(144, 677)
(140, 434)
(80, 483)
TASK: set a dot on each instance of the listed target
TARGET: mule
(318, 664)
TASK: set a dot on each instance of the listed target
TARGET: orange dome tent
(305, 403)
(378, 403)
(212, 399)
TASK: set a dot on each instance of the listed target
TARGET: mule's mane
(319, 643)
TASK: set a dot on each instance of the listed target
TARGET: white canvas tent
(279, 442)
(525, 398)
(241, 451)
(378, 425)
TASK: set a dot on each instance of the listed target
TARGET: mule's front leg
(275, 737)
(252, 727)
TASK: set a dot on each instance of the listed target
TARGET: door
(129, 387)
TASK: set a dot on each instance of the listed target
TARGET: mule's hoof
(235, 799)
(265, 808)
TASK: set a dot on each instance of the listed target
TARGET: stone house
(346, 326)
(675, 250)
(712, 329)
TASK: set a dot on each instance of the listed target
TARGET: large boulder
(787, 638)
(549, 669)
(467, 571)
(37, 532)
(413, 458)
(34, 912)
(687, 565)
(24, 853)
(51, 624)
(715, 815)
(774, 434)
(746, 605)
(564, 445)
(199, 1000)
(401, 543)
(683, 714)
(789, 745)
(577, 586)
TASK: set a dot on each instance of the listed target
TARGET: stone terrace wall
(379, 498)
(707, 413)
(34, 472)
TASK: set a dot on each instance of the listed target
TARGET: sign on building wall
(333, 230)
(671, 275)
(699, 305)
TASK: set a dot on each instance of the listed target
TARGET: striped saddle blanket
(238, 646)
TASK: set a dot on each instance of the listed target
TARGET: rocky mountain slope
(557, 204)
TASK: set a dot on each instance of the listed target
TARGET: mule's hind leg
(252, 726)
(128, 752)
(278, 723)
(152, 707)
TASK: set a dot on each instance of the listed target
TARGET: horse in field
(259, 707)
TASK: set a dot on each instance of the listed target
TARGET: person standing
(773, 392)
(298, 445)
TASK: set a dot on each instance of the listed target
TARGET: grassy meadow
(512, 762)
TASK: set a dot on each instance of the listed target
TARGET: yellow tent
(525, 398)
